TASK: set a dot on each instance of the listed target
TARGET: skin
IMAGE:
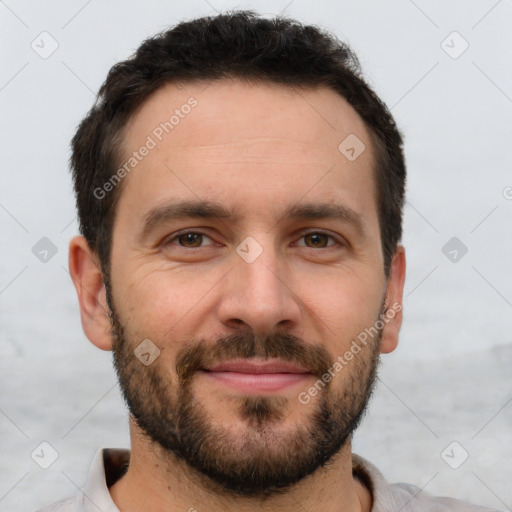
(255, 149)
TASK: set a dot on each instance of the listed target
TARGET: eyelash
(303, 235)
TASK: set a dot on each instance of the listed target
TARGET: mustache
(200, 355)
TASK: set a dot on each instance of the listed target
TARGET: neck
(158, 481)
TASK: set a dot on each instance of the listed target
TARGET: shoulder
(107, 466)
(67, 505)
(409, 498)
(405, 497)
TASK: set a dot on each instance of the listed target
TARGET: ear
(394, 294)
(87, 277)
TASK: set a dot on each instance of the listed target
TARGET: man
(240, 192)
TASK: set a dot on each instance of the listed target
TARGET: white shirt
(109, 465)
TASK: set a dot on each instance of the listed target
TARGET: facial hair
(265, 460)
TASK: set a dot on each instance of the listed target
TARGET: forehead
(239, 142)
(220, 106)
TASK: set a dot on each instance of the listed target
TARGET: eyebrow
(315, 211)
(197, 209)
(184, 210)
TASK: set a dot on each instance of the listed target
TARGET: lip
(257, 366)
(253, 377)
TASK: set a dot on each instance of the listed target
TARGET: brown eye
(318, 240)
(190, 240)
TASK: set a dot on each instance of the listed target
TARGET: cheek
(165, 304)
(344, 300)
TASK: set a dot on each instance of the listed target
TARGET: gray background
(449, 379)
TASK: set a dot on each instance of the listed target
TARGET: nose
(259, 296)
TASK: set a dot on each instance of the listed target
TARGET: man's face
(228, 256)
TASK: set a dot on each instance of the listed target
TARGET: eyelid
(337, 238)
(171, 238)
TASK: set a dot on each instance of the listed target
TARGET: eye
(189, 240)
(318, 240)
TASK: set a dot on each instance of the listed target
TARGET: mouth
(257, 376)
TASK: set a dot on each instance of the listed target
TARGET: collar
(110, 464)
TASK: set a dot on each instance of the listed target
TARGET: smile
(252, 376)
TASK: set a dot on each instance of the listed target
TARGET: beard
(264, 458)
